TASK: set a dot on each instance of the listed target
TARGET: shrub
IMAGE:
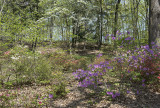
(27, 67)
(139, 64)
(58, 90)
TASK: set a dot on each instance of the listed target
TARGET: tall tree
(116, 17)
(154, 22)
(101, 23)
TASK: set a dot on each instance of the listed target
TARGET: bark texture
(154, 22)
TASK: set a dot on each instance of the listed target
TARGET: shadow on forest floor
(92, 98)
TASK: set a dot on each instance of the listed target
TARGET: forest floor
(78, 97)
(87, 97)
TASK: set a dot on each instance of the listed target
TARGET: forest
(79, 53)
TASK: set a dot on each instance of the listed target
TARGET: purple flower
(50, 96)
(128, 91)
(137, 92)
(99, 55)
(113, 96)
(128, 32)
(92, 69)
(110, 93)
(147, 73)
(121, 46)
(113, 38)
(129, 71)
(90, 65)
(134, 57)
(104, 70)
(152, 43)
(151, 52)
(45, 97)
(143, 85)
(122, 42)
(155, 46)
(128, 38)
(143, 80)
(95, 74)
(109, 67)
(128, 51)
(144, 52)
(96, 66)
(119, 61)
(119, 33)
(144, 69)
(140, 67)
(106, 62)
(117, 94)
(150, 58)
(146, 47)
(152, 72)
(74, 73)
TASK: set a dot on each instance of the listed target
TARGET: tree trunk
(74, 33)
(147, 18)
(101, 25)
(135, 20)
(97, 36)
(154, 22)
(116, 17)
(62, 33)
(51, 29)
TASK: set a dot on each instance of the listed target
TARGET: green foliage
(65, 62)
(35, 21)
(43, 70)
(58, 90)
(26, 67)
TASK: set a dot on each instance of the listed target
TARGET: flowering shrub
(113, 95)
(93, 76)
(87, 78)
(7, 53)
(139, 64)
(158, 77)
(145, 63)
